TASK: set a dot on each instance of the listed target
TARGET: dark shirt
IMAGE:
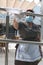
(28, 33)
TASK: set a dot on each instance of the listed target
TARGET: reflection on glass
(29, 0)
(17, 35)
(37, 10)
(36, 1)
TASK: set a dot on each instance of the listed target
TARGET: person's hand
(15, 24)
(38, 38)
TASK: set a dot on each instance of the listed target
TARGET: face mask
(29, 19)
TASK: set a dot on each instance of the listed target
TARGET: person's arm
(15, 24)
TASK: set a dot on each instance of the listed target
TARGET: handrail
(29, 14)
(23, 13)
(3, 9)
(21, 41)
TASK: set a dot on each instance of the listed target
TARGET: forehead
(29, 15)
(28, 12)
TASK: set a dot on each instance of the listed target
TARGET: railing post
(6, 45)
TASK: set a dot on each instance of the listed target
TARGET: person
(12, 31)
(27, 54)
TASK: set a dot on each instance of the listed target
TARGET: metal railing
(20, 41)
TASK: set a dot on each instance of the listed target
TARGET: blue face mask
(29, 19)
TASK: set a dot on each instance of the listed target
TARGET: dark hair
(30, 11)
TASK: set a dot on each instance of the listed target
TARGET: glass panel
(21, 18)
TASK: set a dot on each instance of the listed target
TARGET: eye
(27, 16)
